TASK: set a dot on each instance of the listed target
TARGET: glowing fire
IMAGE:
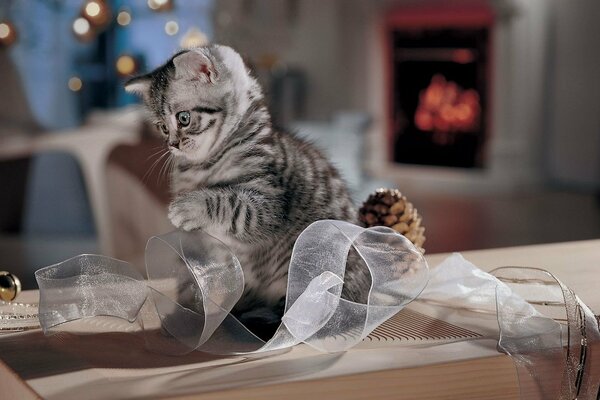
(445, 107)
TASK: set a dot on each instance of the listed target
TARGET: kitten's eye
(183, 118)
(163, 128)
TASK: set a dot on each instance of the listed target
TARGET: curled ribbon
(194, 281)
(547, 330)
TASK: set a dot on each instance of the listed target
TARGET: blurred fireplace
(439, 81)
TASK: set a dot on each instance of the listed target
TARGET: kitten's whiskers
(159, 149)
(156, 162)
(166, 168)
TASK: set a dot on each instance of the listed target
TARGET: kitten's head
(197, 98)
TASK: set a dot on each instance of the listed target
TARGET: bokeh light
(92, 9)
(171, 28)
(194, 38)
(81, 26)
(124, 18)
(160, 5)
(83, 30)
(97, 12)
(8, 34)
(126, 65)
(75, 84)
(4, 30)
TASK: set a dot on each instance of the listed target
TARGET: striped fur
(237, 177)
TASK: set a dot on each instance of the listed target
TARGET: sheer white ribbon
(546, 329)
(194, 281)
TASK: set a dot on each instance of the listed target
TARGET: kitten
(238, 178)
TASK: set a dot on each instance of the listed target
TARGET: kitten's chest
(192, 179)
(187, 181)
(195, 177)
(259, 266)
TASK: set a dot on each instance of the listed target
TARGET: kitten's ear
(139, 85)
(194, 65)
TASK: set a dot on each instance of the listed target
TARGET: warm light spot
(171, 28)
(193, 38)
(8, 34)
(75, 84)
(446, 112)
(463, 112)
(158, 4)
(92, 9)
(445, 107)
(123, 18)
(126, 65)
(81, 26)
(4, 30)
(463, 56)
(423, 120)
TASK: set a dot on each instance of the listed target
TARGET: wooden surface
(465, 370)
(491, 378)
(12, 387)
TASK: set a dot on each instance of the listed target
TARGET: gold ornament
(10, 286)
(388, 207)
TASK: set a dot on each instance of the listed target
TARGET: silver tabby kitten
(237, 177)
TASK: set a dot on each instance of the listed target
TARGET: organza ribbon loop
(316, 298)
(544, 325)
(194, 281)
(88, 286)
(546, 329)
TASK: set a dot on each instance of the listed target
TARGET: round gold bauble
(10, 286)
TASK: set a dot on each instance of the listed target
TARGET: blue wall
(47, 55)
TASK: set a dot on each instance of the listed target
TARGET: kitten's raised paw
(184, 215)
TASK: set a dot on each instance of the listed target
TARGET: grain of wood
(492, 378)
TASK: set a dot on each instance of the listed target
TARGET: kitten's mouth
(183, 152)
(175, 151)
(179, 149)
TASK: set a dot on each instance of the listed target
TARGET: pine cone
(388, 207)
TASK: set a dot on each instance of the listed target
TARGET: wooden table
(465, 370)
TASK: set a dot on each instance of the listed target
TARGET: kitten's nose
(174, 143)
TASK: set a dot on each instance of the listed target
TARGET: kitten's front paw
(184, 214)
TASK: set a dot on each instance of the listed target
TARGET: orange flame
(445, 107)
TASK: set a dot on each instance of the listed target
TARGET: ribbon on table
(194, 280)
(546, 329)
